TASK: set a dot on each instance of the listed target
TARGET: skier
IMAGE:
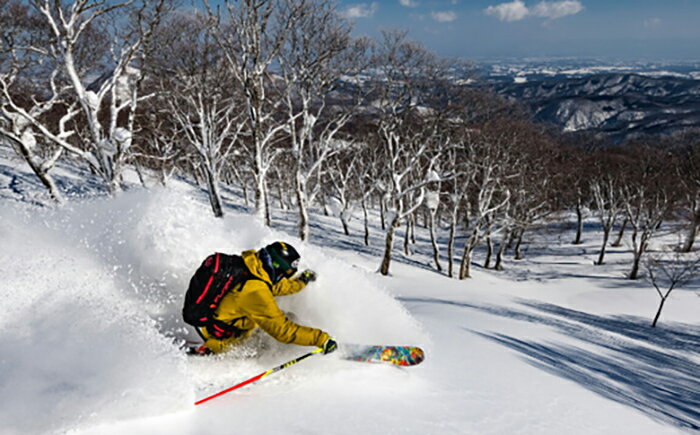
(250, 302)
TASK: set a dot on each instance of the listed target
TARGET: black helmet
(284, 260)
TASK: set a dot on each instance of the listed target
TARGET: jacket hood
(255, 266)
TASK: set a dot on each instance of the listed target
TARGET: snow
(125, 83)
(585, 114)
(28, 139)
(92, 100)
(432, 200)
(78, 348)
(538, 69)
(433, 176)
(92, 291)
(122, 135)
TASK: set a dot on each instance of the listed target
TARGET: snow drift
(91, 300)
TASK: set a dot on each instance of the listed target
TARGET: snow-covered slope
(91, 294)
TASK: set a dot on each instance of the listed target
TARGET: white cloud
(560, 9)
(517, 10)
(652, 23)
(361, 10)
(409, 3)
(513, 11)
(444, 17)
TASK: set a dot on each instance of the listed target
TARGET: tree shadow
(603, 275)
(659, 384)
(653, 370)
(675, 336)
(25, 187)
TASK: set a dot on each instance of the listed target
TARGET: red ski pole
(260, 376)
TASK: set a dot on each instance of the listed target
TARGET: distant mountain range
(617, 100)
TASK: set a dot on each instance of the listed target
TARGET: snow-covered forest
(278, 99)
(138, 136)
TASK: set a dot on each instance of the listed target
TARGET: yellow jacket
(254, 305)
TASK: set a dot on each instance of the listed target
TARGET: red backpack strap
(211, 278)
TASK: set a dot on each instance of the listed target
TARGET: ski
(404, 356)
(398, 355)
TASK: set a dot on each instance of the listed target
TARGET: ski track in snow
(92, 290)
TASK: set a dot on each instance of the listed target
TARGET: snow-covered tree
(456, 193)
(648, 197)
(406, 75)
(251, 34)
(465, 110)
(577, 189)
(41, 158)
(192, 81)
(93, 49)
(432, 203)
(317, 56)
(352, 177)
(487, 153)
(21, 68)
(579, 164)
(607, 204)
(344, 176)
(535, 184)
(686, 148)
(158, 146)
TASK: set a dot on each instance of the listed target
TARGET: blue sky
(614, 29)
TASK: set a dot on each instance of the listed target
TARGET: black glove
(329, 346)
(307, 276)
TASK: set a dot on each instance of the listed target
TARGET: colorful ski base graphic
(404, 356)
(397, 355)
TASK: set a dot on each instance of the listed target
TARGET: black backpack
(218, 274)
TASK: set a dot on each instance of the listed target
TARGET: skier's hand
(307, 276)
(329, 346)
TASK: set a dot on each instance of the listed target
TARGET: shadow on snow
(653, 370)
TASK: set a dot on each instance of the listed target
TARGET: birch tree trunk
(261, 201)
(693, 227)
(433, 241)
(302, 209)
(214, 194)
(451, 244)
(366, 220)
(638, 253)
(601, 255)
(502, 250)
(618, 240)
(389, 246)
(691, 236)
(382, 214)
(579, 223)
(518, 245)
(489, 244)
(489, 252)
(465, 265)
(406, 248)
